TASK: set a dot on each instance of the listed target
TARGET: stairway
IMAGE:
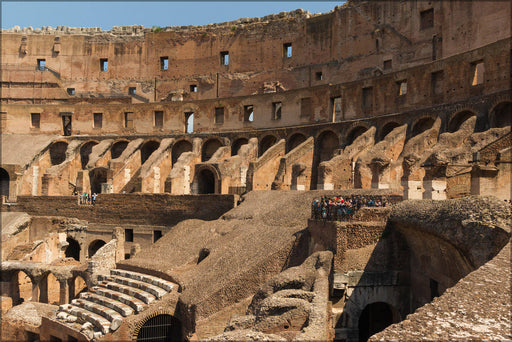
(122, 293)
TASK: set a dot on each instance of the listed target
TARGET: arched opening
(77, 286)
(237, 144)
(58, 152)
(375, 318)
(501, 115)
(73, 249)
(458, 119)
(206, 182)
(328, 143)
(388, 128)
(94, 246)
(97, 176)
(117, 149)
(160, 328)
(85, 151)
(294, 141)
(180, 147)
(50, 293)
(4, 183)
(21, 288)
(147, 149)
(422, 125)
(354, 134)
(266, 143)
(209, 148)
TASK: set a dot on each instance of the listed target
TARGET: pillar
(63, 291)
(35, 180)
(435, 189)
(156, 180)
(412, 189)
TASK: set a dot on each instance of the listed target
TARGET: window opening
(367, 98)
(388, 64)
(249, 113)
(276, 110)
(437, 82)
(336, 109)
(103, 64)
(128, 119)
(193, 88)
(306, 107)
(287, 50)
(35, 120)
(319, 76)
(159, 118)
(164, 63)
(41, 64)
(157, 234)
(402, 87)
(128, 235)
(427, 19)
(477, 70)
(219, 115)
(132, 90)
(71, 91)
(98, 120)
(189, 122)
(224, 58)
(66, 124)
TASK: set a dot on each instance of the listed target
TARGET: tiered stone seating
(118, 295)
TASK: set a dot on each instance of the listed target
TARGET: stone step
(164, 284)
(123, 309)
(144, 296)
(98, 321)
(113, 316)
(156, 291)
(136, 304)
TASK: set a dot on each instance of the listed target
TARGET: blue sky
(160, 13)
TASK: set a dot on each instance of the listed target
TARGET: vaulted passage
(354, 134)
(237, 144)
(161, 328)
(209, 148)
(180, 147)
(294, 141)
(374, 318)
(58, 152)
(117, 149)
(422, 125)
(94, 246)
(206, 182)
(4, 182)
(147, 150)
(85, 151)
(73, 249)
(458, 119)
(97, 176)
(501, 115)
(266, 143)
(21, 288)
(388, 128)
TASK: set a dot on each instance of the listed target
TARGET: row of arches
(73, 249)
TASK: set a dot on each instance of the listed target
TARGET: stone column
(412, 189)
(156, 179)
(35, 180)
(483, 180)
(63, 291)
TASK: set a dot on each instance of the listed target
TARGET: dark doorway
(209, 148)
(161, 328)
(73, 249)
(422, 125)
(66, 124)
(294, 141)
(206, 182)
(85, 151)
(388, 128)
(147, 150)
(266, 143)
(458, 119)
(374, 318)
(354, 134)
(96, 178)
(178, 148)
(94, 246)
(58, 152)
(118, 148)
(501, 115)
(237, 144)
(4, 183)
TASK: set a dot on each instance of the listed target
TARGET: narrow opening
(103, 64)
(276, 110)
(336, 109)
(402, 87)
(224, 58)
(159, 118)
(128, 235)
(306, 107)
(164, 63)
(203, 253)
(71, 91)
(249, 113)
(437, 83)
(66, 124)
(132, 90)
(287, 50)
(98, 120)
(157, 234)
(128, 119)
(367, 98)
(35, 120)
(434, 289)
(41, 64)
(388, 64)
(127, 256)
(189, 122)
(427, 19)
(477, 72)
(193, 88)
(319, 76)
(219, 115)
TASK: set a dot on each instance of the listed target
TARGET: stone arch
(49, 289)
(458, 119)
(354, 133)
(85, 151)
(180, 147)
(209, 148)
(21, 287)
(500, 114)
(58, 152)
(97, 176)
(94, 246)
(295, 140)
(235, 147)
(4, 182)
(169, 328)
(117, 148)
(387, 128)
(77, 285)
(422, 124)
(73, 249)
(327, 143)
(375, 317)
(207, 179)
(267, 142)
(147, 150)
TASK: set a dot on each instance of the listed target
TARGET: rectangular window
(35, 120)
(128, 119)
(477, 73)
(224, 58)
(402, 87)
(427, 19)
(103, 64)
(98, 120)
(336, 109)
(159, 118)
(219, 115)
(276, 110)
(132, 90)
(437, 79)
(71, 91)
(319, 76)
(193, 88)
(157, 234)
(164, 63)
(306, 107)
(388, 64)
(367, 98)
(287, 50)
(189, 122)
(248, 113)
(128, 235)
(41, 64)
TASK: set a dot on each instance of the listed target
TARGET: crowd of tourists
(86, 198)
(340, 208)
